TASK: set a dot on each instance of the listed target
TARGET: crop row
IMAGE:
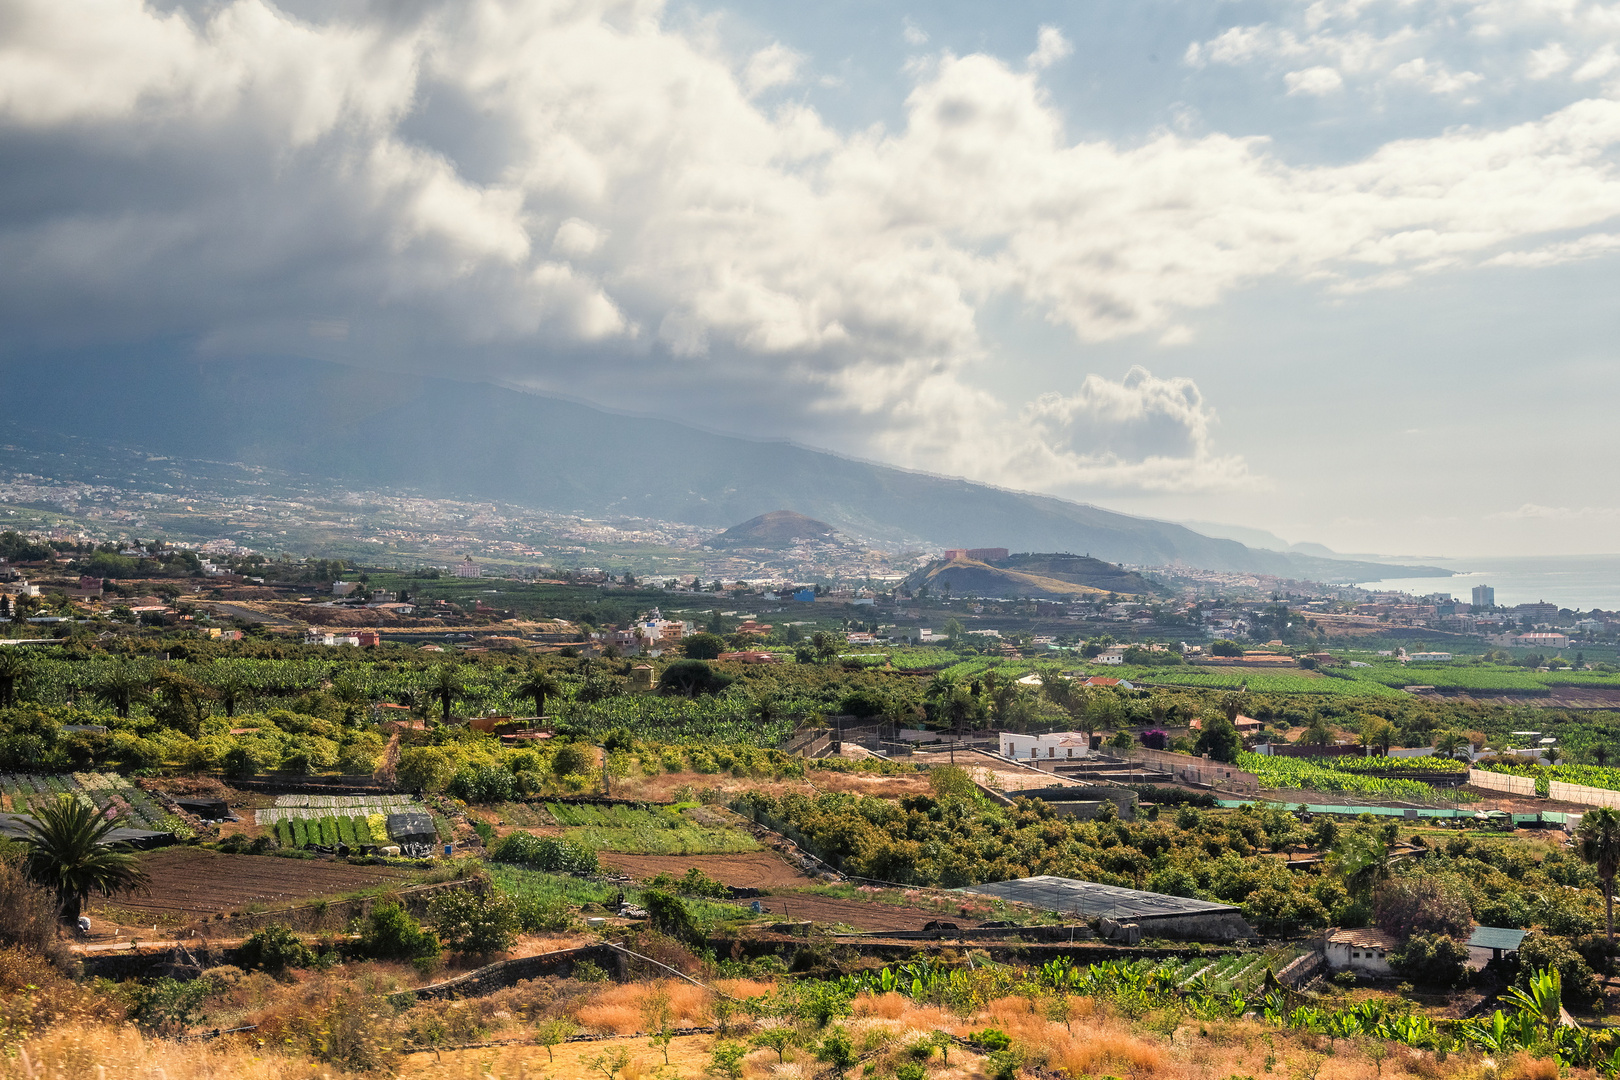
(330, 831)
(273, 814)
(1306, 775)
(576, 815)
(338, 802)
(103, 791)
(1430, 764)
(1595, 776)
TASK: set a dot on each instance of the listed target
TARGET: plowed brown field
(194, 882)
(755, 870)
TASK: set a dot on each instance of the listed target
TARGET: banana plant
(1542, 998)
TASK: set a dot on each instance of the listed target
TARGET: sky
(1341, 270)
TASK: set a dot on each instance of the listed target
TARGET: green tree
(1219, 739)
(444, 685)
(1597, 841)
(1361, 861)
(470, 923)
(539, 684)
(66, 851)
(122, 688)
(825, 645)
(1432, 960)
(1377, 733)
(14, 669)
(425, 768)
(390, 933)
(275, 949)
(703, 646)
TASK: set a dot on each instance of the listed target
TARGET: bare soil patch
(192, 883)
(861, 914)
(757, 869)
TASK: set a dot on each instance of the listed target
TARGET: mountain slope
(476, 441)
(1030, 575)
(777, 529)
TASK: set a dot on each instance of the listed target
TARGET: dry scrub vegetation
(1057, 1037)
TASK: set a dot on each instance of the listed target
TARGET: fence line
(1579, 793)
(1513, 785)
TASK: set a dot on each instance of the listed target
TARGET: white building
(1429, 657)
(1051, 746)
(467, 568)
(1112, 657)
(1542, 641)
(1364, 951)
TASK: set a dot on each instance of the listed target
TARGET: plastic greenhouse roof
(1093, 900)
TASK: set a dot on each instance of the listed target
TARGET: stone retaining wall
(504, 973)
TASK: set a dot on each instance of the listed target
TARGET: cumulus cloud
(774, 65)
(1315, 81)
(1462, 49)
(1050, 47)
(1142, 431)
(582, 197)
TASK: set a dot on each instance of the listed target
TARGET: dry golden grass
(86, 1052)
(618, 1009)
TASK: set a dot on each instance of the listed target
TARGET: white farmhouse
(1050, 747)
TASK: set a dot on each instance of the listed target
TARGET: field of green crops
(23, 791)
(1396, 764)
(1234, 973)
(1306, 775)
(331, 830)
(1595, 776)
(657, 830)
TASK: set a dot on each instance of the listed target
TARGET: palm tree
(121, 688)
(1598, 843)
(231, 687)
(1600, 754)
(14, 669)
(445, 684)
(68, 853)
(539, 684)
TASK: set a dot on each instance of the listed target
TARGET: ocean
(1578, 582)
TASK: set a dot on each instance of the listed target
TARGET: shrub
(1431, 959)
(991, 1039)
(274, 949)
(390, 933)
(572, 759)
(166, 1006)
(536, 915)
(1539, 952)
(483, 784)
(475, 924)
(545, 853)
(1422, 904)
(669, 915)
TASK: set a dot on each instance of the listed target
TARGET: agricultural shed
(1366, 951)
(1498, 939)
(204, 807)
(1158, 915)
(412, 828)
(11, 826)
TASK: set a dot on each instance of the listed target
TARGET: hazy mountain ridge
(1039, 575)
(476, 441)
